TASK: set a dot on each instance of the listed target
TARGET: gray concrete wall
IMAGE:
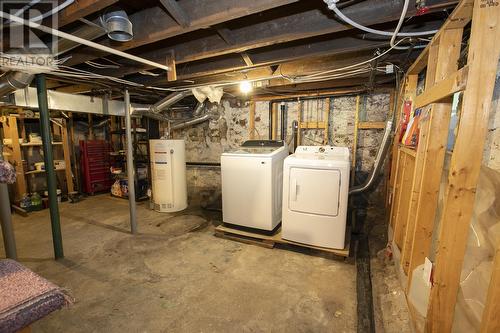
(207, 141)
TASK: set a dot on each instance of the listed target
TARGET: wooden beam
(401, 217)
(419, 155)
(339, 47)
(454, 225)
(157, 25)
(67, 156)
(246, 59)
(459, 18)
(86, 31)
(371, 125)
(179, 15)
(303, 20)
(172, 73)
(75, 89)
(228, 42)
(11, 131)
(313, 125)
(225, 34)
(251, 121)
(444, 89)
(432, 150)
(337, 92)
(491, 320)
(326, 119)
(82, 8)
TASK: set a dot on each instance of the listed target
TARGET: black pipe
(48, 157)
(203, 164)
(283, 122)
(295, 133)
(270, 120)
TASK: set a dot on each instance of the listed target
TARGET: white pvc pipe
(54, 10)
(79, 40)
(332, 4)
(398, 27)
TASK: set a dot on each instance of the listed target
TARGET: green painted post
(49, 165)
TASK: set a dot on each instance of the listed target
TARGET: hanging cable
(332, 4)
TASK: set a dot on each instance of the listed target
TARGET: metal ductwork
(191, 122)
(382, 151)
(198, 110)
(169, 101)
(12, 81)
(118, 25)
(379, 161)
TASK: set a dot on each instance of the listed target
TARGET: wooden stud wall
(416, 174)
(483, 57)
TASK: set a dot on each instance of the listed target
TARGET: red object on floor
(95, 162)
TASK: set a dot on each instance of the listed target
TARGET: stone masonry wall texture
(207, 141)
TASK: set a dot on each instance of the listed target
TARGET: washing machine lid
(263, 143)
(257, 147)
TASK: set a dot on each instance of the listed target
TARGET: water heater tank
(168, 168)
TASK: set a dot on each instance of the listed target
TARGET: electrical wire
(332, 4)
(53, 11)
(398, 27)
(358, 64)
(100, 66)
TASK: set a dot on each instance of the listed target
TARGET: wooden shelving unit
(140, 146)
(14, 128)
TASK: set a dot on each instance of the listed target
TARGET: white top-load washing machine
(252, 184)
(315, 190)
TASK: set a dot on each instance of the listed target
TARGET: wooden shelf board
(40, 171)
(408, 150)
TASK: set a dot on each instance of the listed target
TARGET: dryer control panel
(330, 152)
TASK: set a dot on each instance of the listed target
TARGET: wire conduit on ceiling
(79, 40)
(332, 4)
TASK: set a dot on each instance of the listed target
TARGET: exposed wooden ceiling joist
(329, 45)
(155, 24)
(176, 12)
(326, 56)
(82, 8)
(284, 29)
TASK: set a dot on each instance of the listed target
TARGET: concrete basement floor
(175, 276)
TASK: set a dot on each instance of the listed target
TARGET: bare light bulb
(245, 87)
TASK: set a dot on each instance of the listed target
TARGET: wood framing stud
(172, 72)
(251, 122)
(454, 83)
(433, 147)
(484, 51)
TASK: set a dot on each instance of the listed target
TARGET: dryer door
(314, 191)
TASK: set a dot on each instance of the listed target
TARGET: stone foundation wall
(207, 141)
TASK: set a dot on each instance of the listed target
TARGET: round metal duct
(118, 26)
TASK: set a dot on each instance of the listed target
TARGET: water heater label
(161, 157)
